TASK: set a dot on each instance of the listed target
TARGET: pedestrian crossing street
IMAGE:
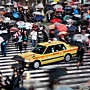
(66, 72)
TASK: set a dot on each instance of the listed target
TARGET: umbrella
(20, 23)
(25, 7)
(43, 23)
(16, 66)
(66, 17)
(4, 12)
(75, 11)
(59, 10)
(5, 36)
(57, 6)
(48, 7)
(2, 7)
(12, 22)
(72, 28)
(7, 14)
(64, 87)
(68, 8)
(39, 6)
(61, 27)
(6, 20)
(77, 43)
(18, 58)
(86, 4)
(88, 16)
(1, 39)
(49, 11)
(15, 15)
(14, 29)
(19, 5)
(76, 2)
(39, 17)
(19, 88)
(77, 15)
(21, 26)
(55, 20)
(53, 3)
(78, 22)
(37, 13)
(70, 21)
(9, 4)
(62, 33)
(51, 26)
(80, 38)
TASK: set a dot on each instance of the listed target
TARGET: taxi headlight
(27, 61)
(17, 62)
(27, 65)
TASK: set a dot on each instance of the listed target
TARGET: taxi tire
(36, 64)
(67, 57)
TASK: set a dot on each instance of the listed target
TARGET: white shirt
(34, 35)
(19, 38)
(27, 24)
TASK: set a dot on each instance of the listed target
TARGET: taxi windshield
(39, 49)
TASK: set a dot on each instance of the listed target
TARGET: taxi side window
(59, 47)
(63, 47)
(50, 49)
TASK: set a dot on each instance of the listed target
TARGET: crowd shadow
(55, 73)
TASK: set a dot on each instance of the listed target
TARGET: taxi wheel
(36, 64)
(67, 57)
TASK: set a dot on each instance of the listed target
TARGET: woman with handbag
(25, 39)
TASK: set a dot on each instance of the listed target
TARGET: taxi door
(60, 51)
(49, 55)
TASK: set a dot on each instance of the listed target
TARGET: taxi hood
(27, 56)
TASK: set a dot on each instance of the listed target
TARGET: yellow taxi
(47, 52)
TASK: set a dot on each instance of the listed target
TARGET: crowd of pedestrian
(75, 17)
(16, 79)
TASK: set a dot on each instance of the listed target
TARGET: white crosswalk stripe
(72, 75)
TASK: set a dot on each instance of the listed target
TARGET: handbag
(24, 42)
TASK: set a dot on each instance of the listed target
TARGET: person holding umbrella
(80, 54)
